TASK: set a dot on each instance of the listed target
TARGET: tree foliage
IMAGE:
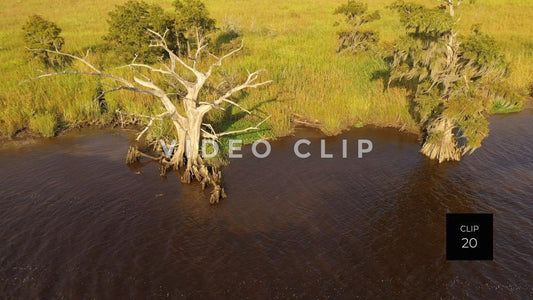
(192, 15)
(129, 24)
(192, 24)
(40, 33)
(450, 77)
(356, 39)
(128, 35)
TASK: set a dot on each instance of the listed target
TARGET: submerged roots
(206, 175)
(132, 156)
(441, 151)
(201, 171)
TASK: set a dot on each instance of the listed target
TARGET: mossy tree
(450, 77)
(356, 39)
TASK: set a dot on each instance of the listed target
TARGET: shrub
(12, 119)
(43, 34)
(128, 35)
(356, 39)
(192, 23)
(44, 123)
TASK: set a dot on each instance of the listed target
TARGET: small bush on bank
(40, 33)
(44, 124)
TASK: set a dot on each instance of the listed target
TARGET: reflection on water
(76, 222)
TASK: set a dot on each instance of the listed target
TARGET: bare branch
(221, 59)
(187, 84)
(198, 53)
(159, 117)
(84, 61)
(147, 84)
(130, 86)
(215, 136)
(249, 83)
(147, 67)
(144, 130)
(209, 135)
(210, 127)
(96, 72)
(160, 42)
(234, 103)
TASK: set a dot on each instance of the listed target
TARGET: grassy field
(294, 40)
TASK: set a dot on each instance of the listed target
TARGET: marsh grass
(293, 40)
(44, 123)
(502, 105)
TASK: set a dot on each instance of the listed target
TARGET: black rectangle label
(469, 237)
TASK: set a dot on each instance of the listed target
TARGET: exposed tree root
(204, 173)
(132, 156)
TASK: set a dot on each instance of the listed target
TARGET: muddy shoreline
(25, 137)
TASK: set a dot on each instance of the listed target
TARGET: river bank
(310, 79)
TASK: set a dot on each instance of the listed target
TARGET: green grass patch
(43, 123)
(294, 40)
(502, 105)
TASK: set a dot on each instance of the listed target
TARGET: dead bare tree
(188, 121)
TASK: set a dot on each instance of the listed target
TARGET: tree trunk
(194, 132)
(440, 142)
(189, 135)
(451, 8)
(179, 155)
(194, 123)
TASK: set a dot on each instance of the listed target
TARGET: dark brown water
(76, 222)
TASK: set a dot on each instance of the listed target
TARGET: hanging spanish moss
(452, 78)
